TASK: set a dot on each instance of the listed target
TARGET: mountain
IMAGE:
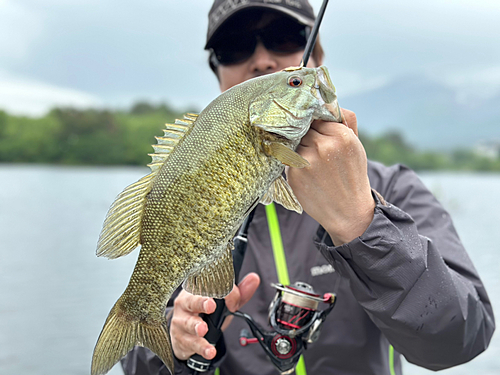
(429, 115)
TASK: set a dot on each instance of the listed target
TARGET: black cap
(222, 10)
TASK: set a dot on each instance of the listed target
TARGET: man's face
(263, 60)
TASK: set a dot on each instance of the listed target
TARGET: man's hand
(187, 328)
(334, 189)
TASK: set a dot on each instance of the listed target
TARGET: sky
(109, 53)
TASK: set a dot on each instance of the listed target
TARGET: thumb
(243, 292)
(241, 295)
(248, 286)
(349, 119)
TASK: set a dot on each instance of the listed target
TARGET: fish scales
(227, 162)
(232, 156)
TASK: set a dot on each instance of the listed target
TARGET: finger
(203, 347)
(327, 128)
(248, 286)
(195, 304)
(308, 139)
(187, 346)
(307, 151)
(243, 292)
(319, 129)
(209, 352)
(350, 120)
(232, 299)
(194, 325)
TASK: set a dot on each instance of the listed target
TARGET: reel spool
(294, 309)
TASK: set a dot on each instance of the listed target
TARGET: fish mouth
(325, 93)
(325, 81)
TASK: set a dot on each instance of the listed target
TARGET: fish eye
(294, 81)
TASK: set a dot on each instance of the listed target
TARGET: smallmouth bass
(208, 172)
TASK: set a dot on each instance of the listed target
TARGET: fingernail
(196, 328)
(207, 352)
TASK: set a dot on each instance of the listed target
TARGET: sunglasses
(282, 36)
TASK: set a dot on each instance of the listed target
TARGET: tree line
(116, 137)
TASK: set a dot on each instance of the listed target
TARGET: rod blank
(314, 33)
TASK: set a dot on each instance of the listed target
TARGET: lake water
(55, 293)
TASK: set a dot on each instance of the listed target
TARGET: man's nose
(262, 61)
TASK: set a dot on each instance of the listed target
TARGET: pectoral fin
(285, 155)
(216, 280)
(280, 192)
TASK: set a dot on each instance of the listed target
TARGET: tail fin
(120, 334)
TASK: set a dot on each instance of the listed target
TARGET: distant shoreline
(89, 137)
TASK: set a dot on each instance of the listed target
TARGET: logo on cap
(290, 3)
(223, 9)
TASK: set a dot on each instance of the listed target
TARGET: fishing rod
(214, 321)
(311, 42)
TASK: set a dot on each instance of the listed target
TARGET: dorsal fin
(191, 116)
(173, 134)
(121, 231)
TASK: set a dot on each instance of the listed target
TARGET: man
(403, 280)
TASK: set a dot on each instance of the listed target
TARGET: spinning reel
(296, 320)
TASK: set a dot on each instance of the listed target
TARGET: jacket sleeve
(411, 274)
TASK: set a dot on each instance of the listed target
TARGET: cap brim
(289, 12)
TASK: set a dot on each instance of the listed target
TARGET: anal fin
(122, 227)
(216, 280)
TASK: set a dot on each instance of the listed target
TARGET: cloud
(20, 28)
(26, 97)
(472, 85)
(153, 49)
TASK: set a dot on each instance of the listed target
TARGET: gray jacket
(406, 282)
